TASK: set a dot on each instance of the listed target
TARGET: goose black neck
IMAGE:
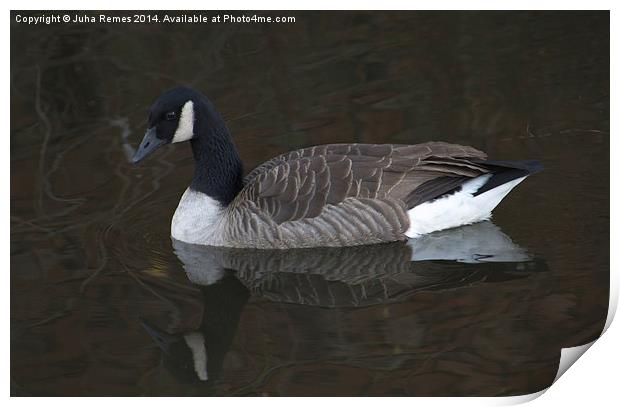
(219, 170)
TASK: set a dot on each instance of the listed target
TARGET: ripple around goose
(323, 196)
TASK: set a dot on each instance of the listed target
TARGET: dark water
(102, 303)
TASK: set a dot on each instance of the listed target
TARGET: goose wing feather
(301, 184)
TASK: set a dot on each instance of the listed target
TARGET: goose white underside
(458, 209)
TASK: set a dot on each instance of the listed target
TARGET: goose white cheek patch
(185, 129)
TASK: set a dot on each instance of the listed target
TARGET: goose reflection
(363, 275)
(329, 278)
(482, 242)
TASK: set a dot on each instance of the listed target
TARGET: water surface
(104, 303)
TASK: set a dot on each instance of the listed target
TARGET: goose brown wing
(300, 184)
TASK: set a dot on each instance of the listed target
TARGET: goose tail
(473, 201)
(506, 171)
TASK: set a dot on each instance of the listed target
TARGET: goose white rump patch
(460, 208)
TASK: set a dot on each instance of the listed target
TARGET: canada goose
(329, 195)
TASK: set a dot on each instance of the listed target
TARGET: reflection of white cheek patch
(196, 343)
(185, 129)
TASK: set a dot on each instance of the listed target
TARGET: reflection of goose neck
(199, 355)
(223, 305)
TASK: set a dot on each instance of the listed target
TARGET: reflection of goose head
(185, 354)
(362, 275)
(199, 355)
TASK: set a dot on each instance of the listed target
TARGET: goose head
(184, 114)
(173, 118)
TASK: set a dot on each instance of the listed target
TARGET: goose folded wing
(300, 184)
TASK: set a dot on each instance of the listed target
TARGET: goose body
(330, 195)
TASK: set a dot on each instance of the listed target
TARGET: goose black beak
(150, 143)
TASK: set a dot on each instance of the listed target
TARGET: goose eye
(171, 116)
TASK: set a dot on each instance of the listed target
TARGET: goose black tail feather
(433, 189)
(506, 171)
